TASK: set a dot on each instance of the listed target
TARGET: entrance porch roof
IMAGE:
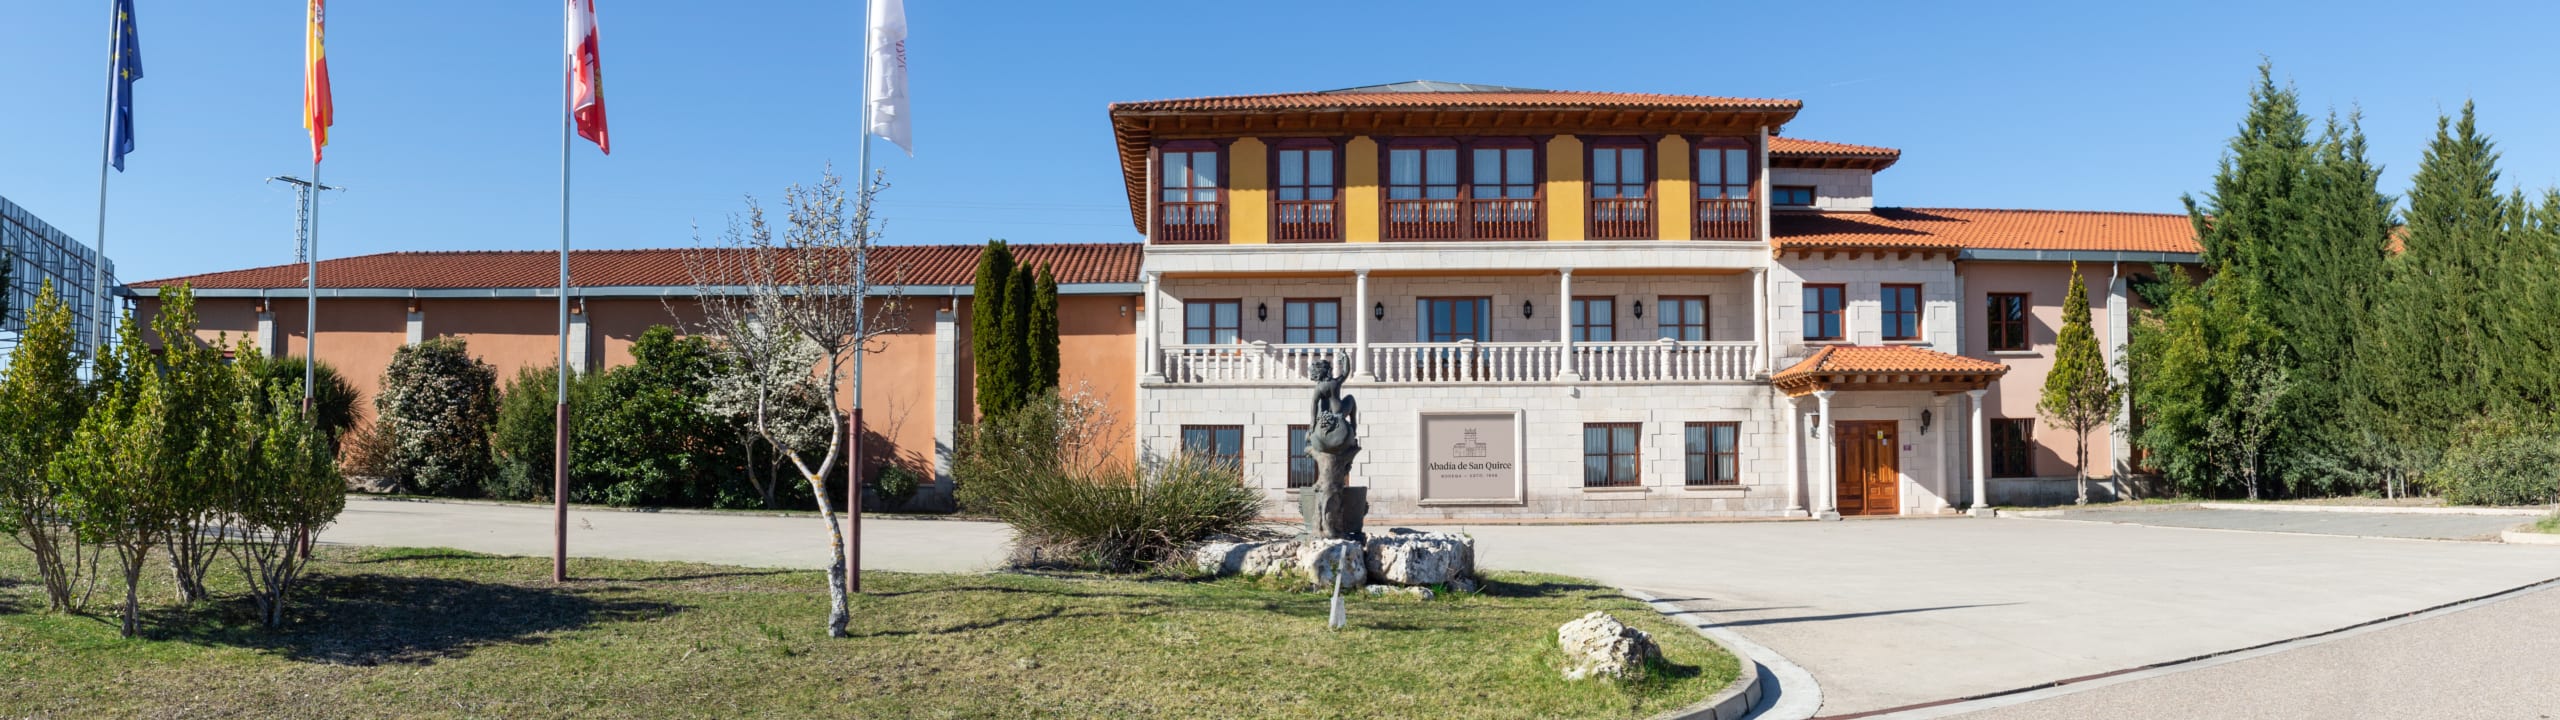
(1885, 367)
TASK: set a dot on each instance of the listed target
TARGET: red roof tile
(1509, 98)
(1976, 229)
(1828, 365)
(901, 264)
(1798, 152)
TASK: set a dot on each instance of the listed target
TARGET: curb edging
(2512, 537)
(2376, 509)
(1764, 677)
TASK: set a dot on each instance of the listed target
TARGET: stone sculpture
(1332, 508)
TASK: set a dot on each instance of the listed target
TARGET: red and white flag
(586, 75)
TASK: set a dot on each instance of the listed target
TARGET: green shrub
(436, 407)
(335, 402)
(1048, 469)
(522, 443)
(896, 485)
(2500, 461)
(643, 438)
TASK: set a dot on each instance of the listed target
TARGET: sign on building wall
(1471, 457)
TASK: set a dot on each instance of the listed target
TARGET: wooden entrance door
(1869, 469)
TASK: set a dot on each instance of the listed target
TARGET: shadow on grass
(370, 619)
(703, 576)
(11, 602)
(1546, 589)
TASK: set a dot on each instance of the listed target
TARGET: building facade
(1548, 304)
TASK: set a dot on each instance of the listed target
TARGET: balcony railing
(1454, 219)
(1305, 221)
(1468, 362)
(1622, 218)
(1727, 219)
(1190, 223)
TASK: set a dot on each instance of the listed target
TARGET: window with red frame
(1621, 207)
(1190, 200)
(1304, 203)
(1901, 314)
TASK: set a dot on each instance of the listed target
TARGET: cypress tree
(2432, 352)
(1044, 334)
(991, 348)
(1023, 293)
(2328, 282)
(2079, 395)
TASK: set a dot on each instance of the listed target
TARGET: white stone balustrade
(1468, 362)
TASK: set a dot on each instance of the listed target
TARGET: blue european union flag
(127, 68)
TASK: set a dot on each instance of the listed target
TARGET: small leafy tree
(287, 489)
(814, 281)
(107, 474)
(782, 396)
(45, 401)
(196, 395)
(437, 405)
(335, 403)
(2079, 395)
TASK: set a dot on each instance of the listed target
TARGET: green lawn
(445, 633)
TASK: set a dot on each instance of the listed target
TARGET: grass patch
(2548, 524)
(436, 632)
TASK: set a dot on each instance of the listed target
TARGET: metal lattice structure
(37, 252)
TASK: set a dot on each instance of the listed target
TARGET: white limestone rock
(1309, 560)
(1407, 557)
(1598, 645)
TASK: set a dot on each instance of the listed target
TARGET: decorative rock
(1416, 592)
(1309, 559)
(1600, 646)
(1408, 557)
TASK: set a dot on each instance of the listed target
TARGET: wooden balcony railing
(1306, 221)
(1727, 219)
(1622, 218)
(1191, 223)
(1453, 219)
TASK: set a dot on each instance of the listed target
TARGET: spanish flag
(316, 113)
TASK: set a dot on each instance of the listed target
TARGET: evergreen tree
(1023, 292)
(991, 349)
(2327, 281)
(2430, 358)
(2079, 395)
(1044, 334)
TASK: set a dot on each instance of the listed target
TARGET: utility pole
(302, 213)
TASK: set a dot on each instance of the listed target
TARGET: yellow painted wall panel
(1568, 191)
(1673, 189)
(1360, 190)
(1248, 192)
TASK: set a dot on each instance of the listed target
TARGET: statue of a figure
(1332, 508)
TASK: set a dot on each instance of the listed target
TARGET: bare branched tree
(766, 289)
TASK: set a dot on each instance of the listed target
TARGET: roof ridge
(2035, 210)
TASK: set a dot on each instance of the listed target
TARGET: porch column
(946, 390)
(1796, 457)
(578, 338)
(1360, 322)
(2119, 428)
(1153, 338)
(1760, 317)
(1564, 326)
(267, 330)
(417, 323)
(1829, 494)
(1981, 455)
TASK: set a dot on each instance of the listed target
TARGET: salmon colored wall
(1097, 344)
(613, 325)
(2015, 394)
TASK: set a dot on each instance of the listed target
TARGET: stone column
(1796, 457)
(1981, 455)
(578, 338)
(1360, 320)
(267, 330)
(1565, 371)
(946, 390)
(417, 323)
(1760, 317)
(1154, 363)
(1829, 494)
(2119, 429)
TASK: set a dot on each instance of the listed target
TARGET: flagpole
(560, 408)
(861, 258)
(106, 150)
(311, 288)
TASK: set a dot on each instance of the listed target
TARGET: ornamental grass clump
(1048, 470)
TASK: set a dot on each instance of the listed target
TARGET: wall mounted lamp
(1924, 422)
(1528, 310)
(1261, 312)
(1639, 308)
(1378, 311)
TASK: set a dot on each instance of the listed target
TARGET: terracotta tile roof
(1798, 152)
(1380, 97)
(665, 267)
(1837, 366)
(1976, 229)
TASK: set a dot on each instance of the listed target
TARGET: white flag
(885, 92)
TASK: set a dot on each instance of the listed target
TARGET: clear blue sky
(448, 123)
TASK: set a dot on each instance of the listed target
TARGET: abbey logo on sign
(1471, 457)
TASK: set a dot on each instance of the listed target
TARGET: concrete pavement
(1888, 613)
(896, 544)
(2413, 525)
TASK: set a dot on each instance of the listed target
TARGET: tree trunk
(2080, 468)
(838, 614)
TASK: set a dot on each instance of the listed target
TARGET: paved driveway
(2416, 525)
(1888, 613)
(1885, 613)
